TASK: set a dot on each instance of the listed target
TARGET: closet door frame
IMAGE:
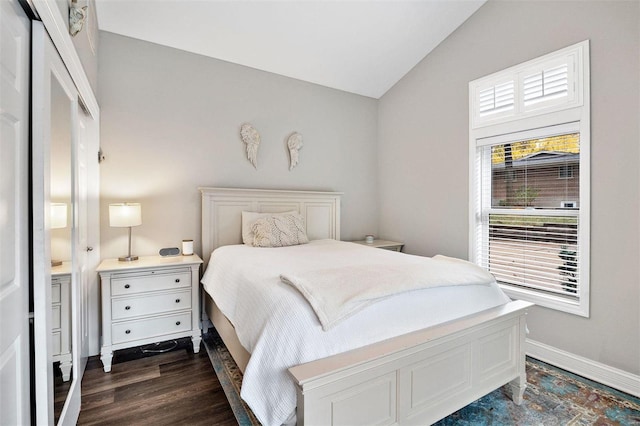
(49, 14)
(47, 11)
(57, 29)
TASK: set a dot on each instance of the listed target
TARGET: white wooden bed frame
(416, 378)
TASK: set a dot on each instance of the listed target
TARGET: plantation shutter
(495, 99)
(529, 205)
(527, 90)
(546, 84)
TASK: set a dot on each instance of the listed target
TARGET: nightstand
(61, 317)
(149, 300)
(383, 244)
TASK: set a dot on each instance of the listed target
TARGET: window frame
(573, 115)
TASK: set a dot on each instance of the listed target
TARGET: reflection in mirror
(61, 238)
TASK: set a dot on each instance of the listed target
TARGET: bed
(416, 371)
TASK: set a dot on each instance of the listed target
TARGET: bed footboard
(420, 377)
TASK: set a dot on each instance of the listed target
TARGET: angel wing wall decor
(251, 138)
(77, 19)
(294, 143)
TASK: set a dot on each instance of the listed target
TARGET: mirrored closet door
(61, 227)
(57, 286)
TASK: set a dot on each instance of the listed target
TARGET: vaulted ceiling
(362, 47)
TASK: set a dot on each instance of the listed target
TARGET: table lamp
(58, 214)
(125, 215)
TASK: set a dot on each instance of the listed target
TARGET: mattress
(279, 328)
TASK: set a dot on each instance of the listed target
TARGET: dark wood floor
(177, 387)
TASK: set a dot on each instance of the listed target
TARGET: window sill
(578, 307)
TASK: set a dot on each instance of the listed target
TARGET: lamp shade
(58, 215)
(125, 214)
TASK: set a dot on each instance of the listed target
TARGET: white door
(89, 231)
(14, 214)
(81, 255)
(88, 258)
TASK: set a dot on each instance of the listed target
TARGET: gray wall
(423, 155)
(86, 43)
(170, 122)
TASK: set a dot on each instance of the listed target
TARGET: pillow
(249, 218)
(279, 231)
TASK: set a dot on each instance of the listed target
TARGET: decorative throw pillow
(279, 231)
(249, 218)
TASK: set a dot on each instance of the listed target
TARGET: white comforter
(337, 293)
(278, 327)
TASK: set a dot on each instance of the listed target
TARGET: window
(530, 184)
(554, 82)
(526, 238)
(565, 171)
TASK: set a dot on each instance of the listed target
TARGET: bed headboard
(222, 213)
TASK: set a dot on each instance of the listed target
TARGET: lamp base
(129, 258)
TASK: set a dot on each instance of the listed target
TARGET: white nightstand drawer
(150, 304)
(150, 327)
(55, 292)
(55, 317)
(131, 284)
(56, 340)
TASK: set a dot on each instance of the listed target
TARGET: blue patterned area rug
(553, 397)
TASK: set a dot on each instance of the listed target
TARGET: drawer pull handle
(127, 286)
(177, 300)
(177, 280)
(127, 331)
(177, 322)
(126, 308)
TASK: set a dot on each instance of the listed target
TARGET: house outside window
(529, 177)
(566, 171)
(529, 180)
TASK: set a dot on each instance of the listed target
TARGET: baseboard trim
(601, 373)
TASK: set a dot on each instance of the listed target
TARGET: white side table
(383, 244)
(152, 299)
